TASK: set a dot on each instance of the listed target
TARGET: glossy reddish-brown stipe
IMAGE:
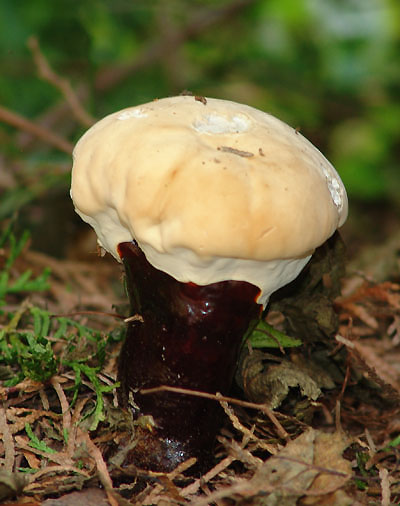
(190, 338)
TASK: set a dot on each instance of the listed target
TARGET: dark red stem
(190, 338)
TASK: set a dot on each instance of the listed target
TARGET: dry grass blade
(65, 410)
(101, 466)
(218, 397)
(20, 416)
(80, 404)
(249, 434)
(194, 487)
(157, 493)
(385, 485)
(8, 441)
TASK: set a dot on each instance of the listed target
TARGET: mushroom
(211, 206)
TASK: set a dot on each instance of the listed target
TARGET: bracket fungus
(211, 206)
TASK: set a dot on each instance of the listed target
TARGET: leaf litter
(331, 436)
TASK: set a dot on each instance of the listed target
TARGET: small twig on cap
(201, 99)
(228, 149)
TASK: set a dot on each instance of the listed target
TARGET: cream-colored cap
(210, 189)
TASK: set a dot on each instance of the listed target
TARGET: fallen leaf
(271, 383)
(87, 497)
(328, 449)
(11, 484)
(310, 465)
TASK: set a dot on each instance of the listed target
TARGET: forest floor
(62, 432)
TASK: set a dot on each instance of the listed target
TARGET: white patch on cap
(216, 124)
(334, 187)
(132, 113)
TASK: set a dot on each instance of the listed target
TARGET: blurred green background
(329, 67)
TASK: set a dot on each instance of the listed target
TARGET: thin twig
(8, 442)
(194, 487)
(65, 409)
(218, 397)
(18, 121)
(91, 312)
(101, 466)
(241, 453)
(62, 84)
(134, 318)
(249, 434)
(338, 422)
(157, 490)
(80, 404)
(385, 486)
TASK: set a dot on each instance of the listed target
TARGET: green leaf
(394, 443)
(41, 322)
(62, 328)
(265, 336)
(16, 246)
(97, 413)
(3, 283)
(35, 441)
(361, 485)
(25, 284)
(37, 360)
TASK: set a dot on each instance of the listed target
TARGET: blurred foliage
(330, 67)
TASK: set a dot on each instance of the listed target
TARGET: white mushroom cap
(211, 190)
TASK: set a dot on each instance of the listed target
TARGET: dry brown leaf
(33, 461)
(18, 417)
(385, 486)
(87, 497)
(337, 498)
(383, 370)
(60, 458)
(26, 386)
(289, 474)
(9, 449)
(284, 478)
(272, 385)
(11, 484)
(101, 466)
(328, 454)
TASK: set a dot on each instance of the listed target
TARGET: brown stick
(218, 397)
(48, 74)
(18, 121)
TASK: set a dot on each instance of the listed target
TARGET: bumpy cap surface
(201, 184)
